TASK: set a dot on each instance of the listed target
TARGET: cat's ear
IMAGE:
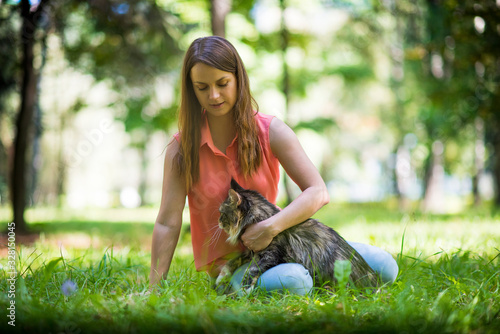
(235, 186)
(234, 197)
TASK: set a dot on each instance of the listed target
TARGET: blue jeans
(296, 279)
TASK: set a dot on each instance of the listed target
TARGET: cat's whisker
(215, 237)
(215, 227)
(211, 239)
(219, 234)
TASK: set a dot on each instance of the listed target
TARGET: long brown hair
(216, 52)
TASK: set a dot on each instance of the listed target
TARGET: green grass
(448, 283)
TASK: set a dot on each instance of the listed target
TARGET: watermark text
(11, 274)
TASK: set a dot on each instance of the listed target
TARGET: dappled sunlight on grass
(420, 235)
(425, 238)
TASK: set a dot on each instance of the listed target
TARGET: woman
(222, 136)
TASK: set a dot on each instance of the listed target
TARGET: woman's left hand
(258, 236)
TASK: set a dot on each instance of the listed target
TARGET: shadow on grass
(117, 233)
(81, 233)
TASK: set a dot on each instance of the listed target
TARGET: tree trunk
(4, 158)
(24, 121)
(434, 178)
(496, 175)
(61, 170)
(36, 155)
(402, 162)
(218, 10)
(143, 179)
(402, 175)
(496, 163)
(479, 151)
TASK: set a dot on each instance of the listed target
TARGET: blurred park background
(395, 101)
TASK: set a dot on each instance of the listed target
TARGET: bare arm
(168, 223)
(287, 148)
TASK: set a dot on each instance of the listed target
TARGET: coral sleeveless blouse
(216, 170)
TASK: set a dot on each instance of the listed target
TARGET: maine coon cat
(314, 245)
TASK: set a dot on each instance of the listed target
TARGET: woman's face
(214, 88)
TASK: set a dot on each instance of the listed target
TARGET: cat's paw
(248, 284)
(224, 274)
(249, 290)
(249, 281)
(219, 280)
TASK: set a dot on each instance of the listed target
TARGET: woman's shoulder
(280, 133)
(264, 121)
(274, 130)
(277, 126)
(259, 115)
(173, 147)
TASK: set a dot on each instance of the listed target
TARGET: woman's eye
(202, 88)
(223, 85)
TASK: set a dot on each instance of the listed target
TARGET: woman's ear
(234, 197)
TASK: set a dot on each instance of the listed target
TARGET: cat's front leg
(256, 268)
(223, 281)
(251, 277)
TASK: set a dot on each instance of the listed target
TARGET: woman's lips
(218, 105)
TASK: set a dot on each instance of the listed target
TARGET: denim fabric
(291, 276)
(379, 260)
(296, 279)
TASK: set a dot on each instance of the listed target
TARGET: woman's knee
(379, 260)
(293, 277)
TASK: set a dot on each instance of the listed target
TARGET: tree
(219, 10)
(30, 17)
(463, 52)
(112, 42)
(130, 45)
(450, 79)
(8, 73)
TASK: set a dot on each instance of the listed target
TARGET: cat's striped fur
(309, 243)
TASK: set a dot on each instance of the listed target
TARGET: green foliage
(8, 71)
(319, 124)
(131, 44)
(114, 44)
(454, 70)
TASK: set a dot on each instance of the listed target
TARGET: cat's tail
(362, 274)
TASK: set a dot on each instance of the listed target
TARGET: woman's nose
(214, 94)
